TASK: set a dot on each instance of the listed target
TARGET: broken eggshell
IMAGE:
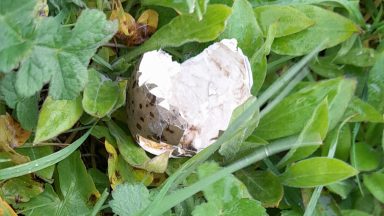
(183, 108)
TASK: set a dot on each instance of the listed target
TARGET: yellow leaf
(149, 18)
(11, 136)
(5, 209)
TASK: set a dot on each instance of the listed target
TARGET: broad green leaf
(362, 111)
(129, 199)
(57, 116)
(181, 7)
(317, 171)
(43, 162)
(342, 188)
(363, 57)
(264, 186)
(186, 28)
(129, 150)
(37, 152)
(343, 143)
(8, 90)
(15, 30)
(44, 204)
(76, 187)
(20, 189)
(53, 53)
(291, 114)
(314, 131)
(325, 67)
(100, 95)
(376, 84)
(122, 94)
(225, 190)
(365, 158)
(353, 212)
(242, 26)
(26, 108)
(289, 20)
(329, 27)
(374, 183)
(230, 149)
(27, 112)
(99, 178)
(243, 207)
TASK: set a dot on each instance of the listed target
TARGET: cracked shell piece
(183, 108)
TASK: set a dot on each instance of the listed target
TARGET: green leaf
(76, 187)
(100, 95)
(129, 199)
(314, 132)
(289, 20)
(291, 114)
(329, 26)
(225, 190)
(342, 188)
(129, 150)
(37, 152)
(8, 91)
(365, 157)
(243, 207)
(43, 162)
(317, 171)
(353, 212)
(242, 26)
(374, 183)
(344, 137)
(362, 57)
(363, 112)
(27, 112)
(46, 203)
(186, 28)
(376, 84)
(264, 186)
(181, 7)
(57, 116)
(15, 30)
(230, 148)
(54, 53)
(20, 189)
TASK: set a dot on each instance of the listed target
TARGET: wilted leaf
(57, 116)
(12, 136)
(21, 189)
(317, 171)
(5, 209)
(329, 27)
(289, 20)
(129, 199)
(100, 95)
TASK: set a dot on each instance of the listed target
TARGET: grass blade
(43, 162)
